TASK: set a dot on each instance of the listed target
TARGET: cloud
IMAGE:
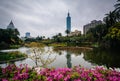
(48, 17)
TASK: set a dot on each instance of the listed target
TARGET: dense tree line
(108, 34)
(9, 37)
(75, 40)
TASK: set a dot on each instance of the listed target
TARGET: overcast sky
(48, 17)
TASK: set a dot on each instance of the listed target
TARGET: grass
(11, 56)
(58, 44)
(34, 44)
(14, 46)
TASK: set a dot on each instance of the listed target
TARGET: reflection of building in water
(68, 56)
(75, 33)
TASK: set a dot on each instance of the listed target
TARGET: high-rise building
(27, 34)
(11, 26)
(68, 22)
(93, 24)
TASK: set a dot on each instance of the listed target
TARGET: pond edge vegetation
(11, 56)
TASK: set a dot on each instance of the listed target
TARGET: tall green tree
(96, 34)
(113, 36)
(117, 6)
(117, 10)
(67, 32)
(10, 36)
(110, 19)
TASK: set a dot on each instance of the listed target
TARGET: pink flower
(60, 76)
(67, 78)
(4, 79)
(77, 80)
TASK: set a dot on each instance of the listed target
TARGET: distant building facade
(27, 35)
(93, 24)
(75, 33)
(68, 22)
(11, 26)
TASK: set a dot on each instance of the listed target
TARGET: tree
(113, 36)
(67, 32)
(38, 38)
(110, 19)
(96, 34)
(117, 6)
(42, 57)
(59, 34)
(117, 10)
(10, 36)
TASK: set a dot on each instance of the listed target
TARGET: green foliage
(109, 58)
(58, 44)
(113, 36)
(37, 39)
(47, 41)
(9, 37)
(75, 75)
(110, 19)
(114, 33)
(96, 34)
(14, 46)
(11, 56)
(68, 40)
(108, 34)
(4, 45)
(67, 32)
(34, 44)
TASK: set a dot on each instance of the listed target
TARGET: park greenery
(11, 56)
(9, 38)
(106, 35)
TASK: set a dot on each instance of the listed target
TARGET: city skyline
(44, 18)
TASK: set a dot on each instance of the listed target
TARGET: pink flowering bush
(23, 73)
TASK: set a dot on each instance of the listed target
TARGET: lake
(50, 57)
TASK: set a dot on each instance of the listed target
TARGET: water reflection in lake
(103, 57)
(72, 57)
(68, 56)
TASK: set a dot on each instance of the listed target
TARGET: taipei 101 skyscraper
(68, 22)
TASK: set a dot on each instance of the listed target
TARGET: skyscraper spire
(68, 14)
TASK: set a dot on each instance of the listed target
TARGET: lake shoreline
(17, 59)
(11, 56)
(76, 48)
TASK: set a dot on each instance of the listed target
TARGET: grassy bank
(58, 44)
(34, 44)
(9, 56)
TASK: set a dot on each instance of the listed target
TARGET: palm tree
(117, 11)
(110, 18)
(59, 34)
(117, 6)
